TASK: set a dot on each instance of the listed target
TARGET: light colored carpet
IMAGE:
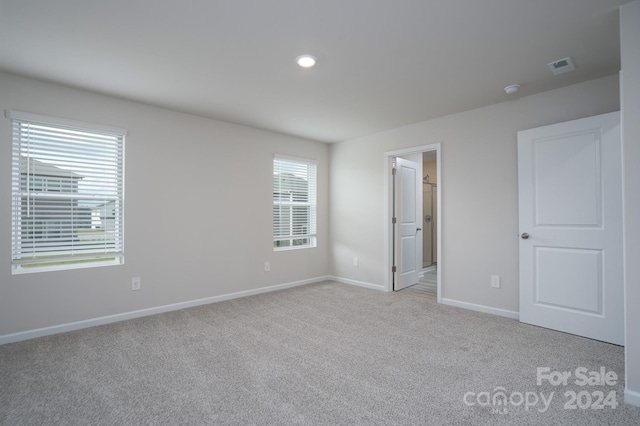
(324, 353)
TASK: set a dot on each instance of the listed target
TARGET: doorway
(428, 278)
(429, 210)
(430, 258)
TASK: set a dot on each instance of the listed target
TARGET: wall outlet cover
(495, 281)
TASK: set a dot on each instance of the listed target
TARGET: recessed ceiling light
(510, 90)
(306, 61)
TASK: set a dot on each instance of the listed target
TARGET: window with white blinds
(67, 194)
(294, 203)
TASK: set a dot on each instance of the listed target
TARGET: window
(294, 203)
(67, 194)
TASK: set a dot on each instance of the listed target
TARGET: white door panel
(570, 200)
(568, 164)
(562, 273)
(408, 217)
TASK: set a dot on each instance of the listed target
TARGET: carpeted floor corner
(319, 354)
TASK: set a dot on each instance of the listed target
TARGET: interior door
(408, 214)
(570, 201)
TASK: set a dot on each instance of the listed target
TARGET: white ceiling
(381, 63)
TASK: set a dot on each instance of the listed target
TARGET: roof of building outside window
(41, 168)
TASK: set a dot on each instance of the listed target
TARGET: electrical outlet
(355, 261)
(267, 266)
(135, 283)
(495, 281)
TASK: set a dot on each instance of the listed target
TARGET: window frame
(75, 254)
(310, 203)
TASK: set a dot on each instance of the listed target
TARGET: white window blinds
(294, 203)
(68, 194)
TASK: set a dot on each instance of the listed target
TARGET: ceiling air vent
(561, 66)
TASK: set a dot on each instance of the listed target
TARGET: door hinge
(393, 220)
(393, 171)
(393, 269)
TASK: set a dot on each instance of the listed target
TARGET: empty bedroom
(303, 212)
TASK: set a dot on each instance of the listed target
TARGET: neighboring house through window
(294, 203)
(68, 194)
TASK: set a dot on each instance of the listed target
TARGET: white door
(570, 201)
(408, 214)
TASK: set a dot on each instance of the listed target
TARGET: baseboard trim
(357, 283)
(632, 397)
(481, 308)
(78, 325)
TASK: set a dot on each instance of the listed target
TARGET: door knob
(418, 229)
(524, 236)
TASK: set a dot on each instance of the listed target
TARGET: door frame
(388, 210)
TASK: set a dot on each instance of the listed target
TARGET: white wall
(197, 212)
(630, 84)
(479, 190)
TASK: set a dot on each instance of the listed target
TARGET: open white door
(570, 200)
(408, 215)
